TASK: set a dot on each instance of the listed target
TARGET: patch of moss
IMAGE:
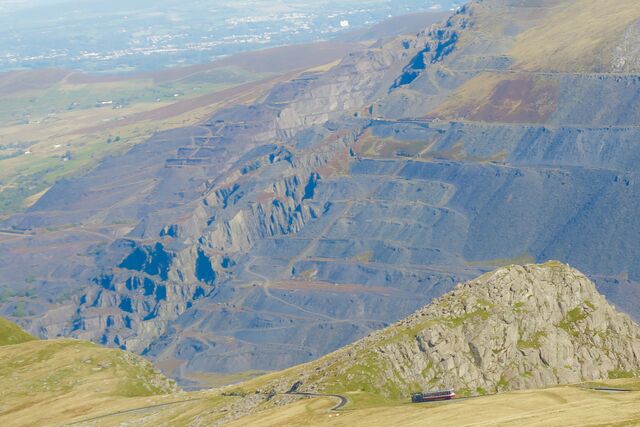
(568, 324)
(365, 375)
(602, 334)
(464, 392)
(618, 373)
(533, 342)
(408, 332)
(518, 307)
(480, 313)
(503, 384)
(576, 315)
(481, 391)
(553, 264)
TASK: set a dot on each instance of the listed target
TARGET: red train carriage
(432, 396)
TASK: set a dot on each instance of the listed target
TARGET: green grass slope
(11, 333)
(46, 382)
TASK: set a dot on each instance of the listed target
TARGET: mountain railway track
(132, 411)
(343, 399)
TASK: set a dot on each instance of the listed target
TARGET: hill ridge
(11, 334)
(518, 327)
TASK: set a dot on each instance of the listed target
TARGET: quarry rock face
(518, 327)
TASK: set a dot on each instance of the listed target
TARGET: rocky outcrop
(626, 56)
(515, 328)
(280, 210)
(132, 308)
(439, 42)
(153, 285)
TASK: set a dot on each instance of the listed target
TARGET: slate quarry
(343, 200)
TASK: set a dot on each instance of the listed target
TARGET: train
(432, 396)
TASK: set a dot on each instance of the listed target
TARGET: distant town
(99, 39)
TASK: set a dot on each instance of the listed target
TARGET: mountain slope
(11, 333)
(498, 332)
(47, 382)
(347, 197)
(518, 327)
(551, 407)
(524, 328)
(582, 36)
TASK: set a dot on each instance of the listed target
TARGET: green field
(67, 128)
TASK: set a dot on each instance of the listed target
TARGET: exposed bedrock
(343, 200)
(518, 327)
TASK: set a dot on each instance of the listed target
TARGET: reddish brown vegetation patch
(521, 100)
(18, 81)
(501, 98)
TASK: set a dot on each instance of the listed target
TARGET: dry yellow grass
(51, 382)
(576, 36)
(559, 406)
(499, 97)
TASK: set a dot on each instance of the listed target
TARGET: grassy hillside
(75, 382)
(559, 406)
(12, 334)
(571, 38)
(576, 36)
(45, 382)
